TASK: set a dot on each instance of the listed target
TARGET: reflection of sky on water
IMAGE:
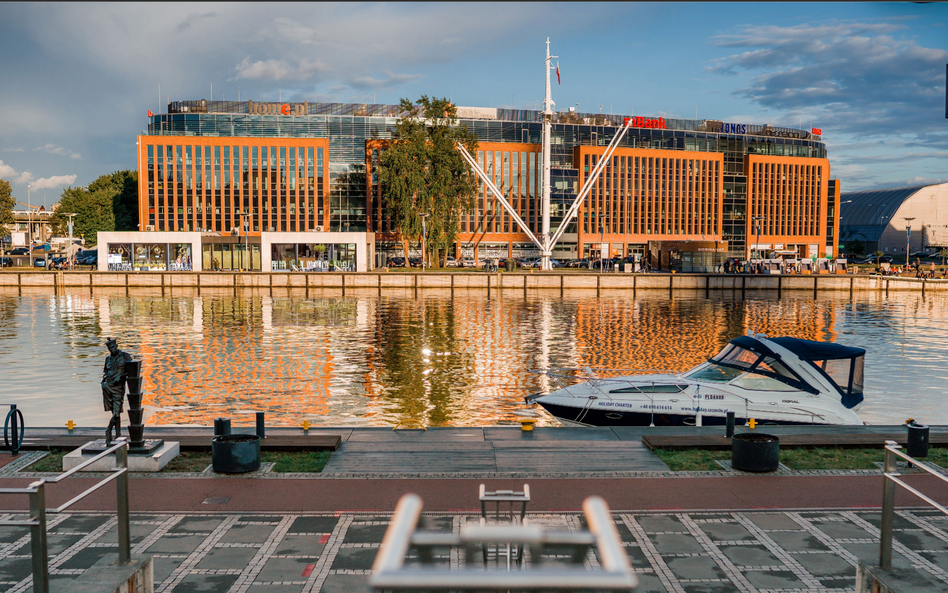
(462, 361)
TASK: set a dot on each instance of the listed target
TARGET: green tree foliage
(422, 172)
(110, 203)
(93, 210)
(6, 206)
(123, 185)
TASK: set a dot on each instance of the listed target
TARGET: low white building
(879, 220)
(186, 251)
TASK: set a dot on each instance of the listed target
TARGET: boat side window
(651, 389)
(840, 371)
(776, 367)
(716, 373)
(737, 356)
(757, 382)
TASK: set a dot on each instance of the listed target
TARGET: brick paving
(694, 552)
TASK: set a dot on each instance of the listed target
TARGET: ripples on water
(367, 360)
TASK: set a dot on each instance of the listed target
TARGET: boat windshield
(765, 372)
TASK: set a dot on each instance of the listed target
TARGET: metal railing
(38, 511)
(503, 507)
(390, 573)
(891, 479)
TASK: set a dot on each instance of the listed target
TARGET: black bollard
(730, 425)
(221, 426)
(261, 430)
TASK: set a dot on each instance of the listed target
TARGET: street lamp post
(424, 239)
(757, 220)
(601, 236)
(908, 238)
(29, 220)
(245, 223)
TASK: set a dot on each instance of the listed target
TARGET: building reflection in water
(370, 360)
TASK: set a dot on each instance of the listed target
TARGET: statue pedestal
(154, 461)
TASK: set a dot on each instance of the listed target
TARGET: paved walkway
(688, 533)
(687, 552)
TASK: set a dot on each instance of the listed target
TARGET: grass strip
(797, 458)
(197, 461)
(51, 463)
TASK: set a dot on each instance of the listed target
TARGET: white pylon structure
(546, 250)
(545, 242)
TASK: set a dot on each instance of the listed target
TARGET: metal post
(261, 426)
(546, 247)
(38, 538)
(424, 239)
(29, 220)
(908, 239)
(121, 495)
(888, 511)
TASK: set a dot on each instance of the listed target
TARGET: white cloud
(856, 77)
(59, 150)
(13, 149)
(54, 181)
(8, 172)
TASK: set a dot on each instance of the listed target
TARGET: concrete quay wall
(56, 281)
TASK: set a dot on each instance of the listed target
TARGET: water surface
(369, 360)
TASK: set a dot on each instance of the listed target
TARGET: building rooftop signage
(644, 122)
(290, 109)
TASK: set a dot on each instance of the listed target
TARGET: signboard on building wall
(604, 250)
(477, 112)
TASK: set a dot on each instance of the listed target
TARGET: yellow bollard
(526, 424)
(70, 425)
(305, 424)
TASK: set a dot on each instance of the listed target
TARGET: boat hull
(576, 416)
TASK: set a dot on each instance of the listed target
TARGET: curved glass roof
(875, 206)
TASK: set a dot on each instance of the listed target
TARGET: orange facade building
(189, 183)
(314, 166)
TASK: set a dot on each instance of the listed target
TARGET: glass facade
(232, 185)
(149, 257)
(319, 257)
(199, 175)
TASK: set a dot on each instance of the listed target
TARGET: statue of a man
(113, 387)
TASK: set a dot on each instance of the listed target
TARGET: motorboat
(780, 380)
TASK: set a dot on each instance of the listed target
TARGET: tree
(422, 172)
(93, 210)
(878, 255)
(943, 254)
(6, 207)
(123, 186)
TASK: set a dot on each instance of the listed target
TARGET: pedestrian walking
(931, 271)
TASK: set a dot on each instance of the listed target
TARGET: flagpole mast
(548, 104)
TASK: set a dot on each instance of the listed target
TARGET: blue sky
(77, 79)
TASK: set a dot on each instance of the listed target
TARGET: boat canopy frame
(763, 352)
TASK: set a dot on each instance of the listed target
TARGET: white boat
(771, 380)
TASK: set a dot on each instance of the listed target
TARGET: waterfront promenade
(386, 280)
(715, 531)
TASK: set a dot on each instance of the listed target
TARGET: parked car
(578, 263)
(872, 260)
(414, 262)
(530, 262)
(450, 262)
(467, 262)
(58, 263)
(396, 262)
(6, 262)
(39, 263)
(19, 251)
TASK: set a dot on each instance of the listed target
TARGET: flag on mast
(558, 72)
(150, 114)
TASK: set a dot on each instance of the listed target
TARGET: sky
(77, 79)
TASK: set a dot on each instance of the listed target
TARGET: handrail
(390, 573)
(38, 510)
(890, 479)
